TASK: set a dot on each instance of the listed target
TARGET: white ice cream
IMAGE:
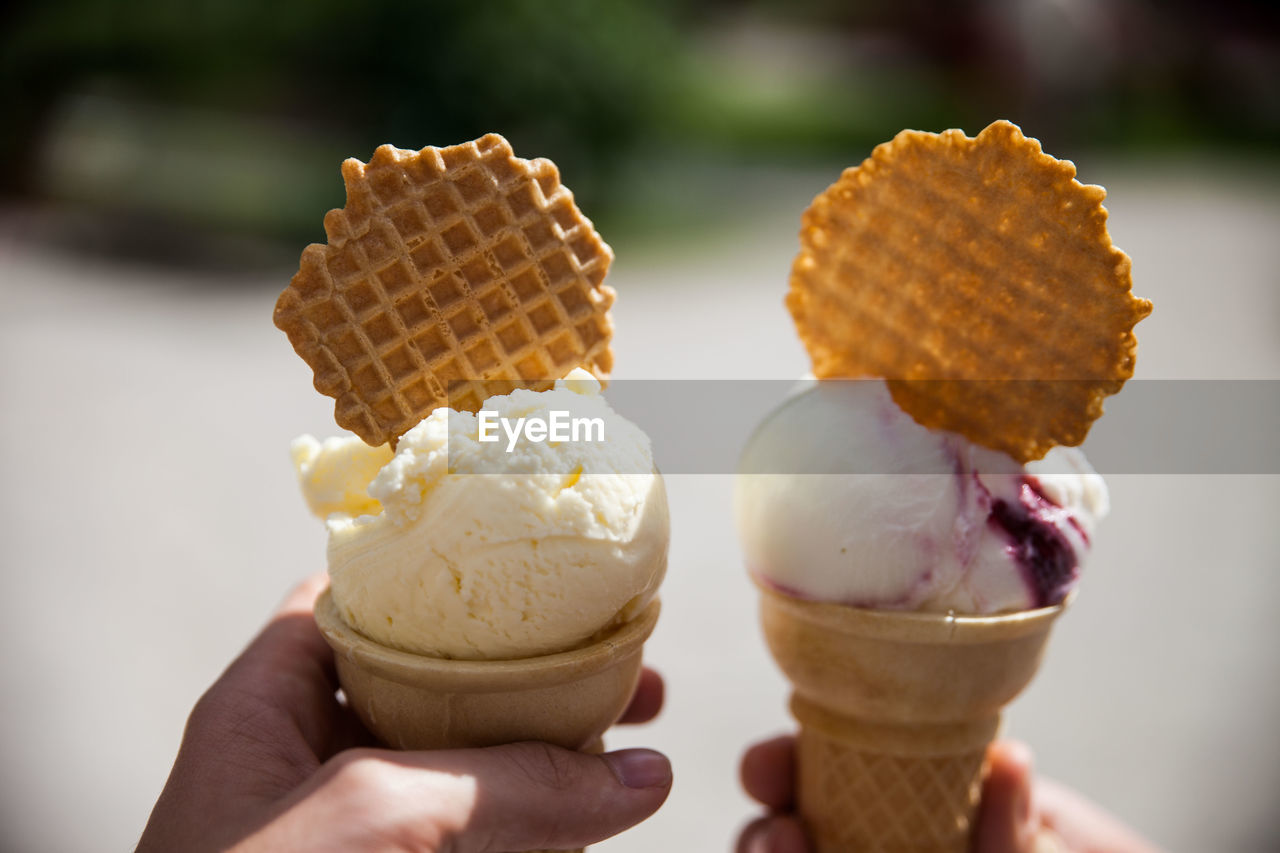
(509, 554)
(844, 498)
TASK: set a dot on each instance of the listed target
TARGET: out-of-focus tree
(166, 105)
(1099, 72)
(574, 80)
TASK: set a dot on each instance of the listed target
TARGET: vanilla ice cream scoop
(842, 497)
(508, 547)
(335, 474)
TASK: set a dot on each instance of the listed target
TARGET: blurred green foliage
(236, 113)
(574, 80)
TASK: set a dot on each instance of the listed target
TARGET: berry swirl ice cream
(844, 498)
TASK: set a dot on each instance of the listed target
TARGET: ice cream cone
(416, 702)
(896, 711)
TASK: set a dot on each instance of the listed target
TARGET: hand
(1018, 814)
(270, 760)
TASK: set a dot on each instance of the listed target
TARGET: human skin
(271, 760)
(1019, 813)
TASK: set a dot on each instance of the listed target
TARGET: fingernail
(640, 768)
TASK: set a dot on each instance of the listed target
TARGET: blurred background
(165, 164)
(228, 117)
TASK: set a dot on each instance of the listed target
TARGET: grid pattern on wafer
(450, 275)
(951, 266)
(857, 799)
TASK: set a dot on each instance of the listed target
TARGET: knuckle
(358, 770)
(368, 792)
(210, 714)
(207, 707)
(227, 716)
(547, 766)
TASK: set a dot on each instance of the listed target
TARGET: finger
(786, 836)
(773, 834)
(769, 772)
(290, 643)
(1006, 823)
(534, 796)
(1082, 824)
(647, 700)
(287, 672)
(750, 838)
(302, 598)
(522, 796)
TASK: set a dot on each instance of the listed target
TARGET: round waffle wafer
(450, 275)
(977, 277)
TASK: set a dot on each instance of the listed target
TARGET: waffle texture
(452, 274)
(869, 800)
(978, 277)
(896, 710)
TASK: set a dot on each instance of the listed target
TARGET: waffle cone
(412, 701)
(896, 711)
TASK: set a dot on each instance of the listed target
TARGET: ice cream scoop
(846, 499)
(505, 549)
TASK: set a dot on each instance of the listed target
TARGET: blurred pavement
(152, 521)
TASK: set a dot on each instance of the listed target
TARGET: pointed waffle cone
(412, 701)
(896, 711)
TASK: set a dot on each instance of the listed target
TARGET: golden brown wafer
(978, 277)
(451, 274)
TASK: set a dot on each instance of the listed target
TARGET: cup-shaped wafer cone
(416, 702)
(896, 711)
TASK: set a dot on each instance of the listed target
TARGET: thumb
(1006, 823)
(523, 796)
(531, 796)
